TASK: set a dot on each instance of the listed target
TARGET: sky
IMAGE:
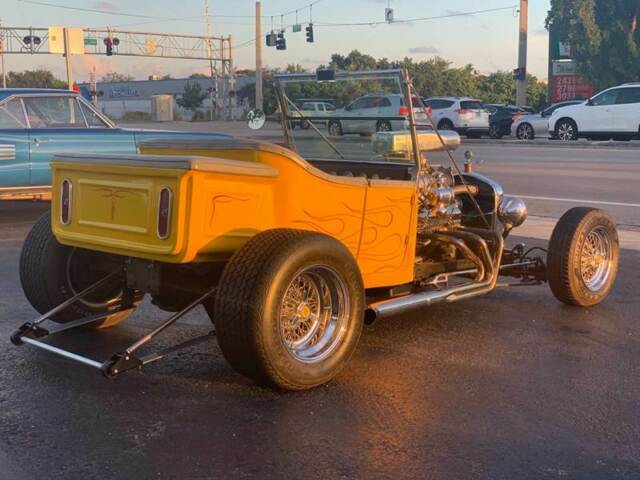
(486, 40)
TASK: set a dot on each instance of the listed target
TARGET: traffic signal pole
(67, 55)
(521, 87)
(259, 94)
(4, 72)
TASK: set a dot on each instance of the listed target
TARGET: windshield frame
(406, 90)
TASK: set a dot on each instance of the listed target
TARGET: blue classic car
(36, 124)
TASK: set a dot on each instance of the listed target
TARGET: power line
(384, 22)
(193, 18)
(94, 10)
(419, 19)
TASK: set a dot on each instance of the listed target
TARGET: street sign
(297, 28)
(56, 40)
(90, 42)
(75, 38)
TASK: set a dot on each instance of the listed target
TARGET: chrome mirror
(256, 119)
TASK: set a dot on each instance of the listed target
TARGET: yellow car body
(222, 195)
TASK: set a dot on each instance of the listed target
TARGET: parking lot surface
(512, 385)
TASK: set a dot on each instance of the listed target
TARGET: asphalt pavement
(513, 385)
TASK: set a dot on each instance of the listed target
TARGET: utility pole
(259, 94)
(4, 72)
(67, 54)
(212, 72)
(521, 88)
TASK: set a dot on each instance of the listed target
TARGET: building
(117, 99)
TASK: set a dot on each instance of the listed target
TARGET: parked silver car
(527, 127)
(370, 114)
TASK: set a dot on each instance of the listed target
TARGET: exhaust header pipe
(408, 303)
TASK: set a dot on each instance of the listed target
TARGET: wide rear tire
(51, 273)
(289, 309)
(583, 257)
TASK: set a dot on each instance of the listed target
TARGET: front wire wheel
(596, 262)
(583, 257)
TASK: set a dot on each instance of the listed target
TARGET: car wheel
(335, 129)
(446, 125)
(51, 273)
(290, 308)
(304, 125)
(384, 126)
(495, 133)
(566, 130)
(525, 132)
(583, 257)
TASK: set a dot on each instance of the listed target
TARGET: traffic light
(520, 74)
(281, 42)
(310, 33)
(271, 39)
(108, 43)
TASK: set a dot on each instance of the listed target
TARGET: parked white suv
(465, 115)
(613, 113)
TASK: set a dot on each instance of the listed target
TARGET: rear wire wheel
(289, 308)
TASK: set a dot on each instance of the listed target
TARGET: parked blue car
(36, 124)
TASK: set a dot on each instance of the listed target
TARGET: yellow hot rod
(291, 246)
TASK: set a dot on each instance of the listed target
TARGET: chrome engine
(439, 207)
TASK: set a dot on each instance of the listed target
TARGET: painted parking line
(579, 200)
(541, 227)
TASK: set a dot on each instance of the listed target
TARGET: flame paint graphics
(224, 198)
(383, 248)
(379, 245)
(344, 226)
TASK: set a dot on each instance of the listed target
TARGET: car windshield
(366, 108)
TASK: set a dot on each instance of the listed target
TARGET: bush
(200, 116)
(137, 116)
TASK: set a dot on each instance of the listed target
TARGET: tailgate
(115, 208)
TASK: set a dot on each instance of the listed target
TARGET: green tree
(34, 79)
(111, 77)
(295, 68)
(192, 96)
(604, 37)
(198, 75)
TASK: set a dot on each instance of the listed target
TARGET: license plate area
(118, 206)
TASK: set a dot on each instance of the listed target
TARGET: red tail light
(404, 111)
(515, 118)
(164, 213)
(65, 202)
(462, 111)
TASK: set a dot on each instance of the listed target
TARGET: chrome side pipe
(409, 303)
